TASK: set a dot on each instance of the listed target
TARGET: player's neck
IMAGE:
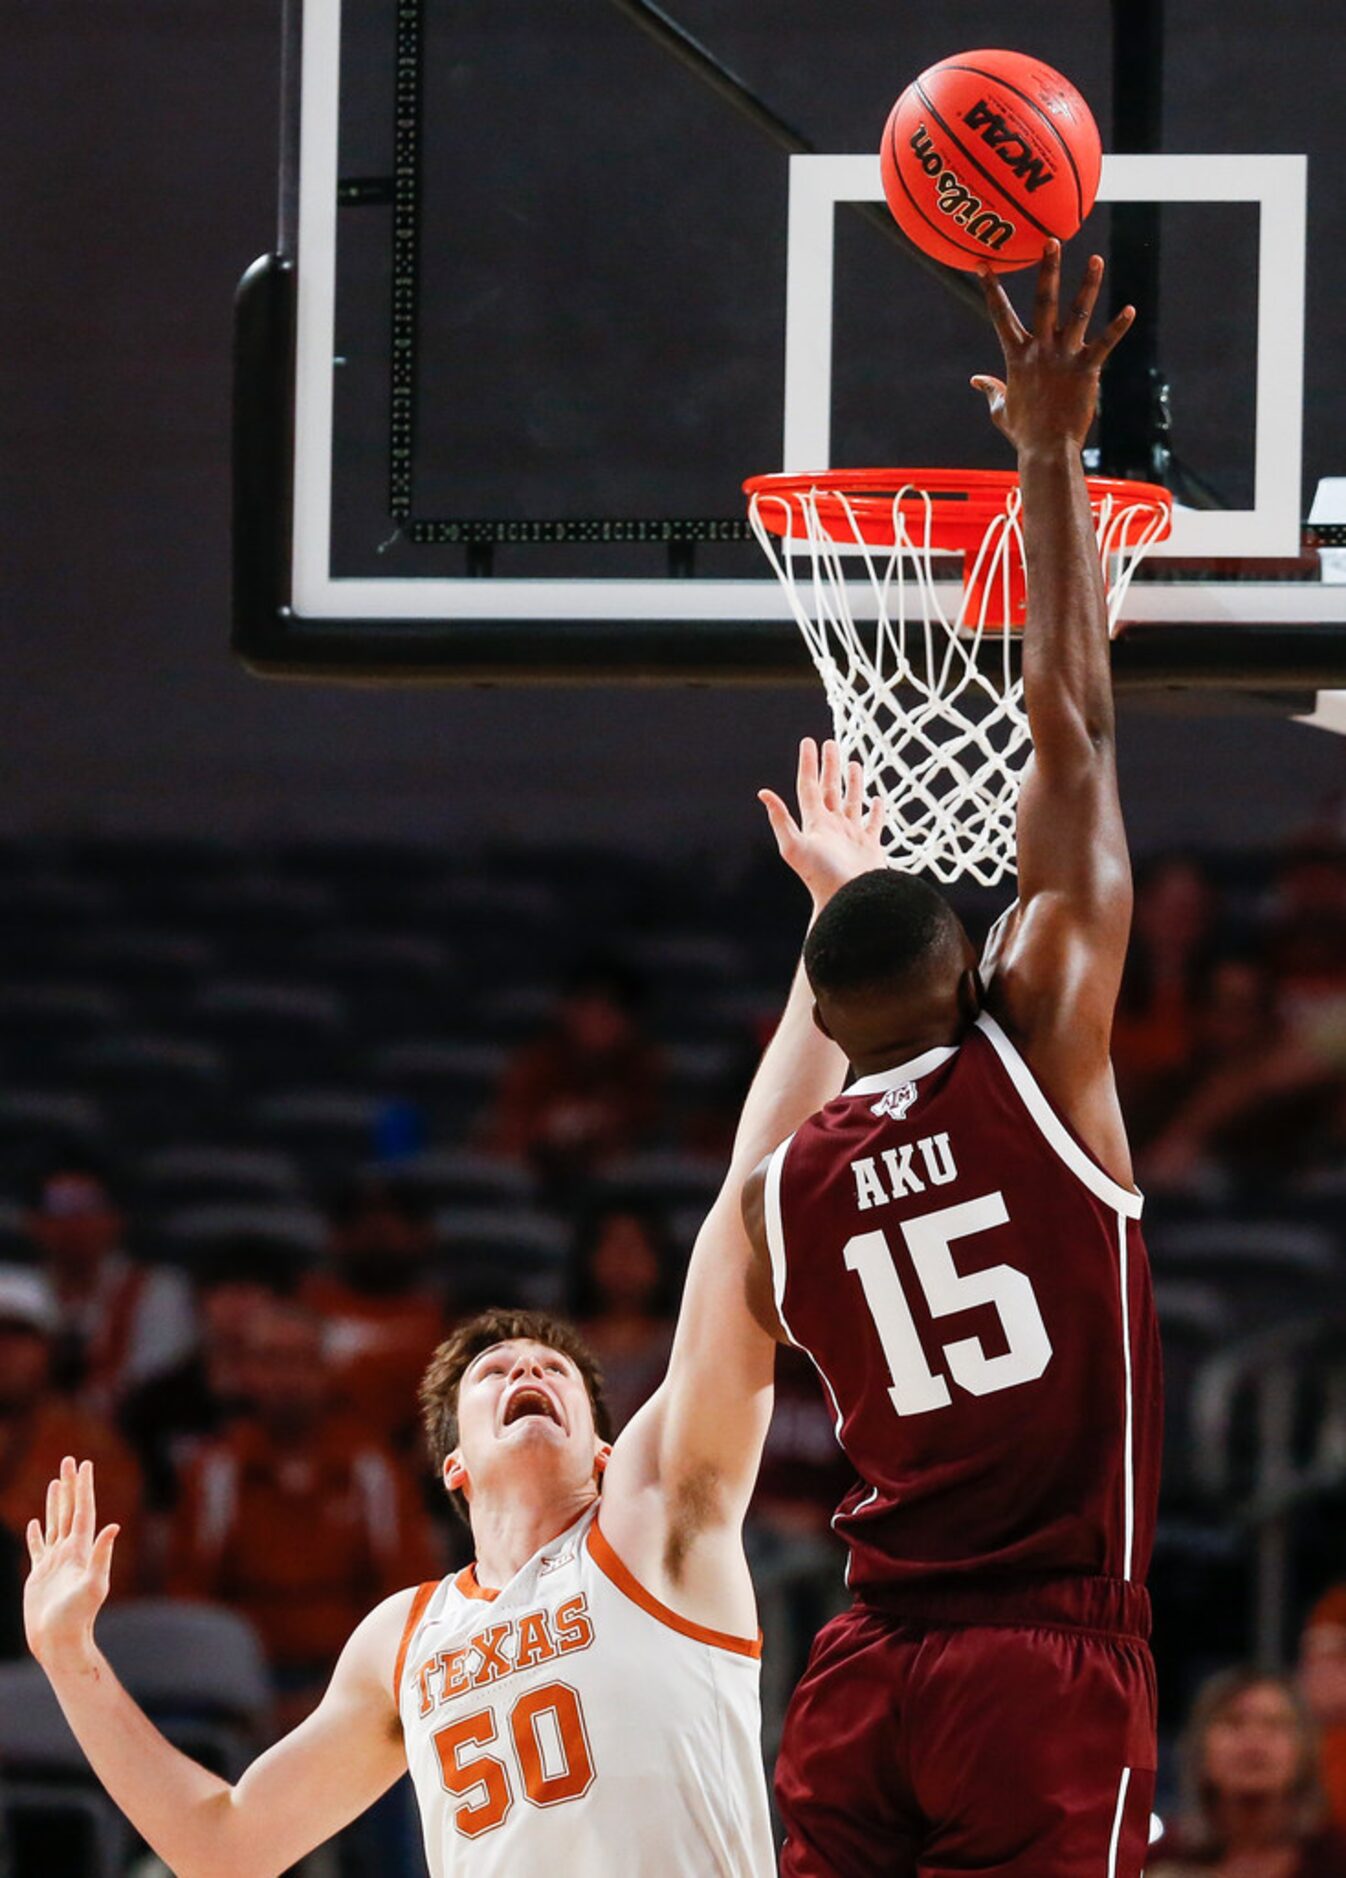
(508, 1528)
(872, 1059)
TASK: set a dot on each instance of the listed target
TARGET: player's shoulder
(377, 1645)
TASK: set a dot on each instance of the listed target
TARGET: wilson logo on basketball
(1010, 146)
(954, 199)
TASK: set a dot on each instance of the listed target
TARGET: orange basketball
(988, 154)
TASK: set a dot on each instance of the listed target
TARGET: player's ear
(455, 1471)
(971, 995)
(602, 1455)
(820, 1023)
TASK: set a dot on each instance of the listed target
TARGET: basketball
(986, 156)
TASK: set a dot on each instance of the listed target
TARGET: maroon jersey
(974, 1291)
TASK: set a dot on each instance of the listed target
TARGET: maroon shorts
(921, 1747)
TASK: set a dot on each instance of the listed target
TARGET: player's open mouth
(528, 1401)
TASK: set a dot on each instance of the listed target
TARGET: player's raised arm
(681, 1475)
(1057, 979)
(295, 1796)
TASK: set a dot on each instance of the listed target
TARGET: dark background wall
(138, 151)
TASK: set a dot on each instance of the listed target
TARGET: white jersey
(571, 1724)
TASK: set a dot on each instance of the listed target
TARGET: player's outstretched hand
(1050, 388)
(837, 836)
(71, 1564)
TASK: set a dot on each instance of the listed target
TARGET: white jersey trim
(1128, 1474)
(775, 1238)
(919, 1066)
(775, 1231)
(1117, 1818)
(1124, 1200)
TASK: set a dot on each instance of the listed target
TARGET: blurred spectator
(169, 1417)
(1252, 1804)
(623, 1305)
(1252, 1099)
(1155, 1030)
(1306, 947)
(1322, 1682)
(120, 1321)
(295, 1515)
(796, 1558)
(589, 1088)
(804, 1473)
(13, 1571)
(38, 1427)
(710, 1125)
(382, 1310)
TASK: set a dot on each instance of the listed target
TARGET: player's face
(522, 1405)
(1253, 1745)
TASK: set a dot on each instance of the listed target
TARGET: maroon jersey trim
(1121, 1199)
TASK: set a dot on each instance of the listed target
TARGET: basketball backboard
(549, 286)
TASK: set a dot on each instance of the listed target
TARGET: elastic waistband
(1112, 1605)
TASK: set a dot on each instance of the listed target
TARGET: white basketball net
(942, 737)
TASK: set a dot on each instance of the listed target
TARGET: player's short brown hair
(438, 1393)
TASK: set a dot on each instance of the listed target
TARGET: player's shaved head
(891, 967)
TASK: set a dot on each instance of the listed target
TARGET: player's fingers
(83, 1524)
(1108, 338)
(806, 783)
(36, 1543)
(53, 1510)
(67, 1509)
(1010, 329)
(783, 825)
(100, 1559)
(831, 777)
(854, 803)
(994, 389)
(1047, 297)
(874, 820)
(1082, 310)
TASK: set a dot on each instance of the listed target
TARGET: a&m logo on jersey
(896, 1102)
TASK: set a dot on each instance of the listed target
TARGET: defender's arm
(296, 1795)
(682, 1473)
(1057, 983)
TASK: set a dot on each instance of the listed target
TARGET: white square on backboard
(1279, 186)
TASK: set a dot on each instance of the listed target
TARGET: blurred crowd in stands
(268, 1124)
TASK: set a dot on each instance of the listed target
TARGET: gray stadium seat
(452, 1080)
(190, 1233)
(333, 1129)
(1267, 1269)
(190, 1173)
(37, 1124)
(153, 969)
(459, 1177)
(198, 1670)
(663, 1178)
(49, 1792)
(49, 1016)
(155, 1087)
(504, 1255)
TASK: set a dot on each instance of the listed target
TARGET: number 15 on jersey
(916, 1388)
